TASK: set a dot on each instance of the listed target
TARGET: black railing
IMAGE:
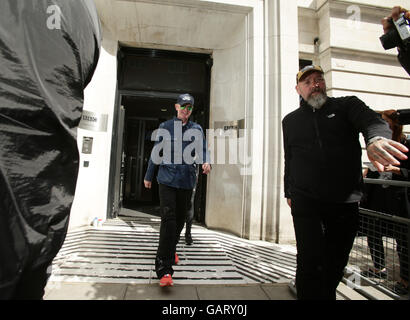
(379, 257)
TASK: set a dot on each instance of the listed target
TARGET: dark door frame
(114, 192)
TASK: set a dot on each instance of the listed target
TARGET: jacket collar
(187, 125)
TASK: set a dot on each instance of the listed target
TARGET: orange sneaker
(176, 259)
(166, 281)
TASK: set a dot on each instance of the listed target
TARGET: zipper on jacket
(317, 131)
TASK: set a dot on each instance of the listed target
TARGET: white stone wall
(91, 193)
(228, 101)
(255, 45)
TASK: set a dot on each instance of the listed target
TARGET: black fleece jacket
(404, 59)
(322, 148)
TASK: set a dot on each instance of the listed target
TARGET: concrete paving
(115, 291)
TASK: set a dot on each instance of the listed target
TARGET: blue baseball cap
(185, 98)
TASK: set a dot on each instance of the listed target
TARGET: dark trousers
(375, 243)
(191, 207)
(402, 248)
(398, 231)
(325, 234)
(190, 214)
(29, 286)
(174, 205)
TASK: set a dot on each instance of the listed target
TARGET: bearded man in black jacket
(323, 178)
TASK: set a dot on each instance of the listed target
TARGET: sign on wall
(87, 145)
(93, 121)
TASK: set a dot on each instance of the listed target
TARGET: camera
(402, 116)
(399, 36)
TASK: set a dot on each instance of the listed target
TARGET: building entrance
(139, 125)
(149, 82)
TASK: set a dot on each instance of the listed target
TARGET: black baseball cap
(185, 98)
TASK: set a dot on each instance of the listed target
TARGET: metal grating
(380, 239)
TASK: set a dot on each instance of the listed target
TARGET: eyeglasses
(189, 106)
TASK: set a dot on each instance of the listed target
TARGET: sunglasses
(189, 106)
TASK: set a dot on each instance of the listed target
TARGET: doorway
(138, 127)
(149, 82)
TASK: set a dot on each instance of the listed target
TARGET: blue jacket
(178, 150)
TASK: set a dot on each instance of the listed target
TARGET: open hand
(384, 152)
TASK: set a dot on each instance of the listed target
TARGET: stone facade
(256, 46)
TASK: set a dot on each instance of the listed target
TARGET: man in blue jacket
(180, 146)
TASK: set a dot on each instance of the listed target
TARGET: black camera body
(399, 36)
(402, 116)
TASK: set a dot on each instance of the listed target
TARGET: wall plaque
(93, 121)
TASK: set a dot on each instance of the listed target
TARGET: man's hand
(289, 202)
(206, 168)
(147, 184)
(382, 152)
(395, 13)
(395, 170)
